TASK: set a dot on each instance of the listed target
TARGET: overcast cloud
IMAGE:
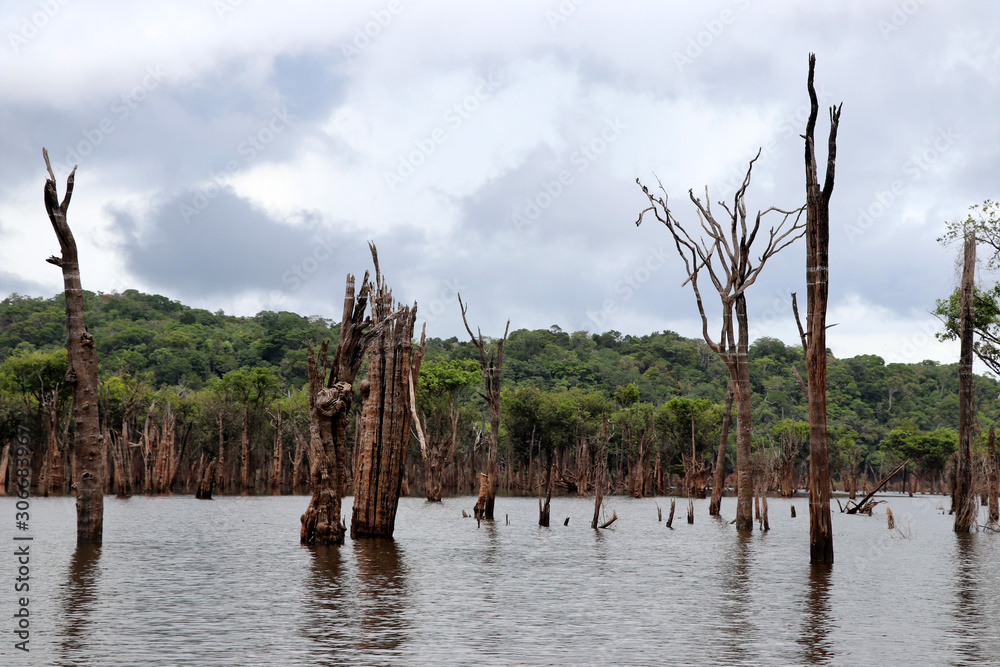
(238, 155)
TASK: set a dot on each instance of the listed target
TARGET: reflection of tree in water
(970, 617)
(80, 601)
(357, 615)
(815, 636)
(737, 621)
(382, 595)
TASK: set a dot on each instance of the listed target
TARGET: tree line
(181, 387)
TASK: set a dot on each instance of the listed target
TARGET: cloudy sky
(239, 154)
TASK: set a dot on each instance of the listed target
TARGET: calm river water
(225, 582)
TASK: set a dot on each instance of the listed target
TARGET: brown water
(225, 582)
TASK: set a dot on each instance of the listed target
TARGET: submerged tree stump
(329, 407)
(380, 461)
(206, 482)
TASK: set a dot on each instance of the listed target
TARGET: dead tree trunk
(55, 479)
(719, 474)
(726, 256)
(245, 461)
(275, 477)
(328, 412)
(993, 479)
(544, 510)
(965, 501)
(206, 482)
(164, 454)
(298, 459)
(385, 415)
(88, 444)
(814, 338)
(600, 472)
(491, 363)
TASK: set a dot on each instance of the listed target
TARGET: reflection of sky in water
(225, 582)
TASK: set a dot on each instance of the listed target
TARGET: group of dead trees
(721, 249)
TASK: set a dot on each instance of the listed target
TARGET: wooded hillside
(208, 380)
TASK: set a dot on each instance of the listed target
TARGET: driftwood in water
(865, 506)
(793, 511)
(763, 518)
(670, 517)
(889, 518)
(614, 517)
(690, 510)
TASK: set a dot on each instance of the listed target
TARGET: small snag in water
(566, 522)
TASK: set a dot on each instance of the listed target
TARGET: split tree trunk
(88, 444)
(385, 415)
(329, 408)
(965, 500)
(814, 340)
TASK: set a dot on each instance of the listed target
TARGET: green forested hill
(555, 382)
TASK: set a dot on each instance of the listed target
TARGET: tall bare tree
(82, 374)
(491, 362)
(723, 252)
(965, 499)
(814, 338)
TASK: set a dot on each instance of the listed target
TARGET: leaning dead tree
(491, 362)
(380, 460)
(723, 251)
(82, 373)
(329, 404)
(814, 337)
(965, 499)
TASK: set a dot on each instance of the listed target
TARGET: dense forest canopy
(211, 368)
